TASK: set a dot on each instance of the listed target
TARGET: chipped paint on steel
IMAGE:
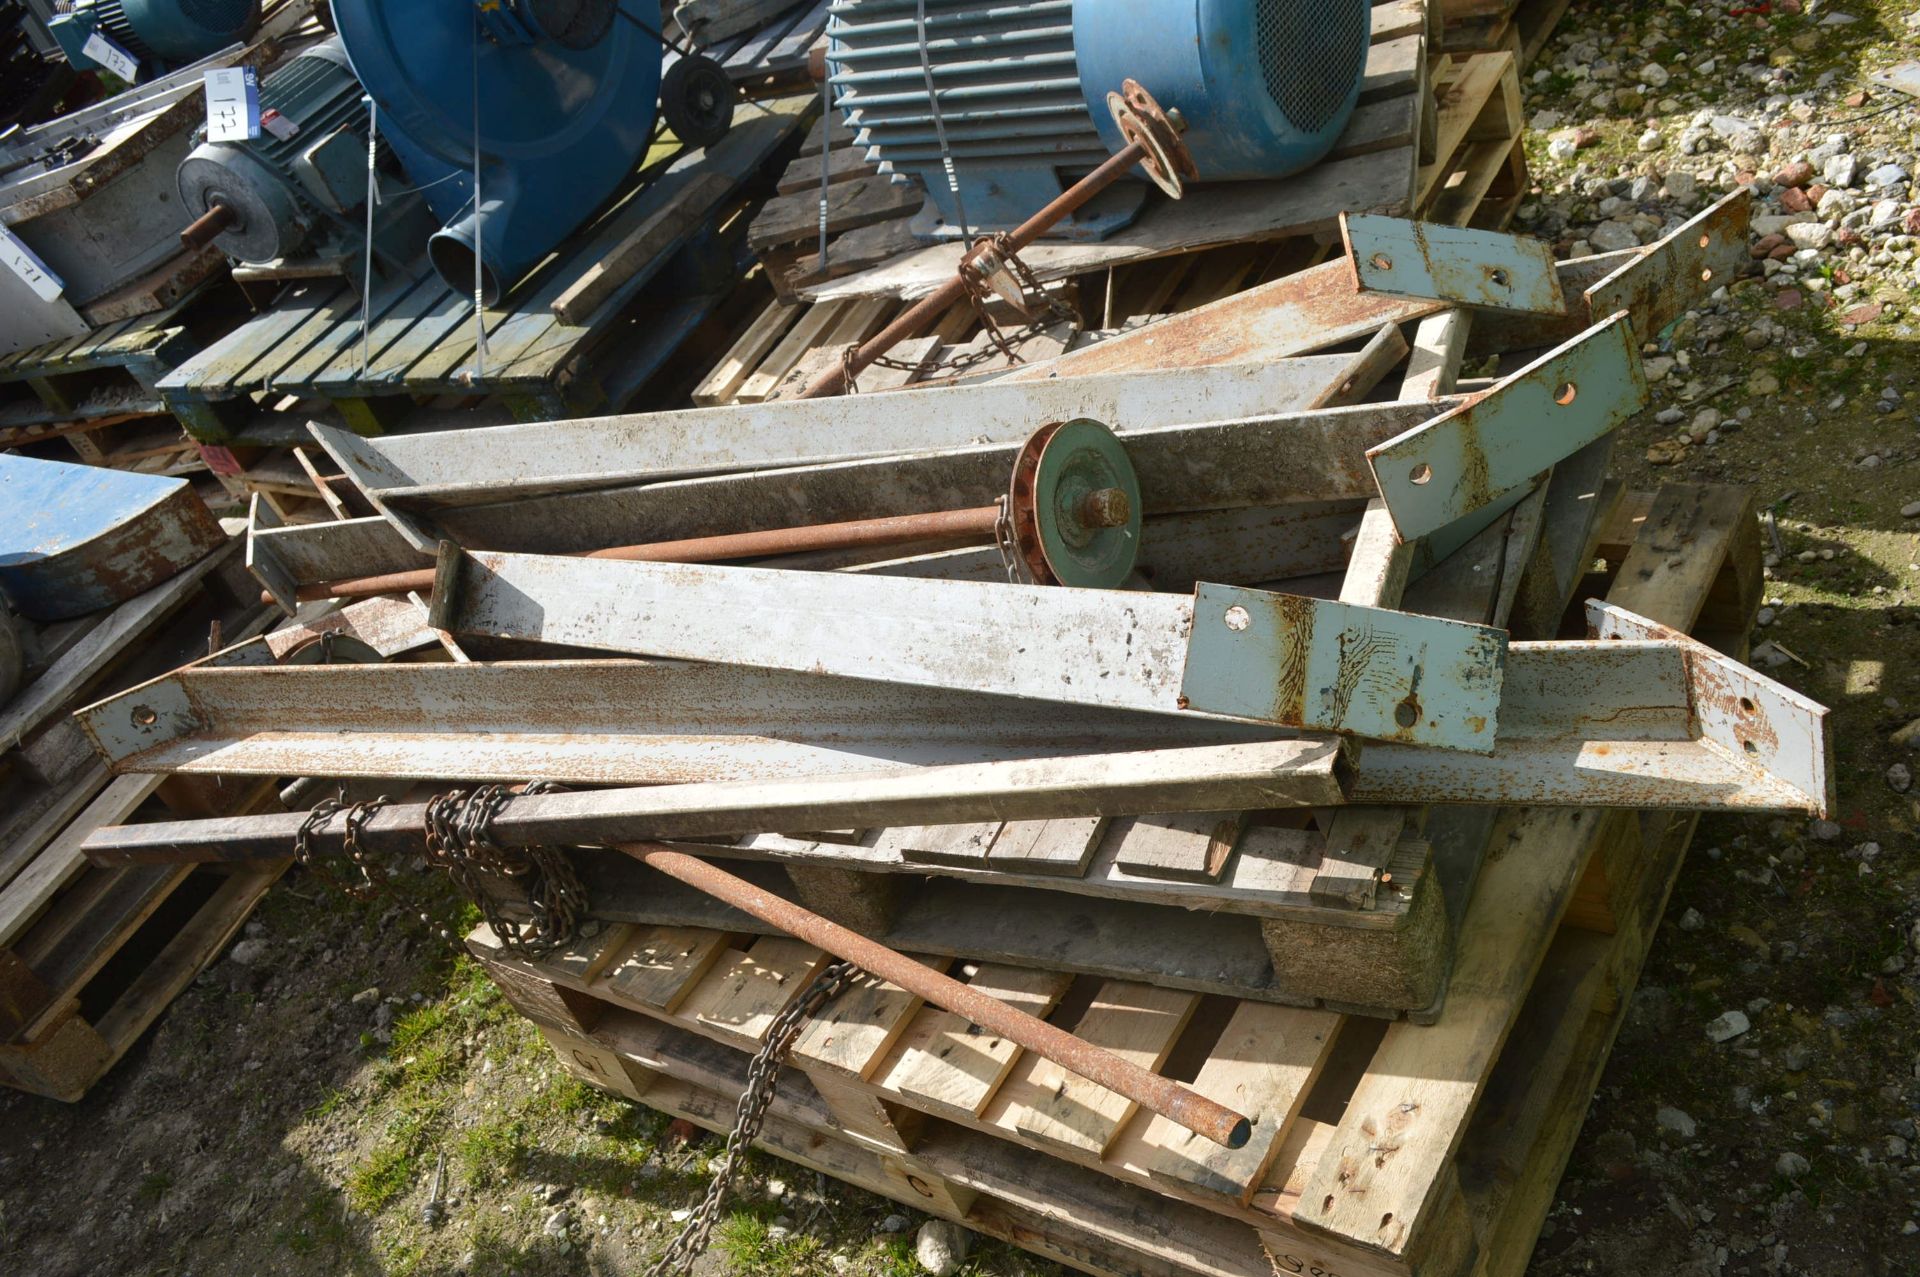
(1677, 273)
(1758, 722)
(1452, 264)
(1468, 457)
(1328, 666)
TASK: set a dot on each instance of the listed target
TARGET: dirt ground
(292, 1111)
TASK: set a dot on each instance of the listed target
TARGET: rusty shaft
(915, 321)
(207, 227)
(903, 529)
(1169, 1099)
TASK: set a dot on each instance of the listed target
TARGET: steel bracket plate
(1677, 273)
(1330, 666)
(1765, 726)
(1470, 456)
(1452, 264)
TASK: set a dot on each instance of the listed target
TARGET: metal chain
(1056, 310)
(763, 1076)
(460, 841)
(374, 878)
(1004, 539)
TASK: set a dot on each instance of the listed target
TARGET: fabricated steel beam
(1263, 774)
(1484, 269)
(1187, 467)
(1471, 456)
(485, 466)
(1279, 659)
(1638, 717)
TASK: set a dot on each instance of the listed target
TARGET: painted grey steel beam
(1471, 456)
(1454, 264)
(1188, 467)
(592, 722)
(1638, 717)
(1280, 659)
(1264, 461)
(1654, 284)
(422, 472)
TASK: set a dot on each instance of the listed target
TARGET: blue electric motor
(159, 34)
(1265, 86)
(566, 91)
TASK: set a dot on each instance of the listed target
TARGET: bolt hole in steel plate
(1422, 474)
(1070, 479)
(1500, 278)
(144, 715)
(1382, 262)
(1567, 393)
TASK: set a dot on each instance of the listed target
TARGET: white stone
(1682, 186)
(942, 1247)
(1727, 1026)
(1653, 75)
(1887, 175)
(1611, 237)
(248, 952)
(1674, 1120)
(1810, 235)
(1841, 169)
(1791, 1166)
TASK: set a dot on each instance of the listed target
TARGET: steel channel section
(499, 463)
(1452, 264)
(1471, 456)
(1110, 649)
(1638, 717)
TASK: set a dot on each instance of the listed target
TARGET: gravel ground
(291, 1111)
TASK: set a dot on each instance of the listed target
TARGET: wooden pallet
(1380, 1148)
(89, 956)
(1521, 27)
(771, 59)
(79, 988)
(903, 1100)
(583, 331)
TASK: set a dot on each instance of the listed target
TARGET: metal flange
(1074, 504)
(1156, 131)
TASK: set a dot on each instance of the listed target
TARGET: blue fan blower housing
(1265, 87)
(566, 95)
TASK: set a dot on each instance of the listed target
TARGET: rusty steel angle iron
(1215, 465)
(1471, 456)
(1452, 264)
(486, 466)
(1638, 717)
(1110, 649)
(1679, 271)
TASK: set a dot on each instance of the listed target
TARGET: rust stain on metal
(1295, 613)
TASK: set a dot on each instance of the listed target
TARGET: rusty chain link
(460, 841)
(374, 878)
(763, 1077)
(978, 292)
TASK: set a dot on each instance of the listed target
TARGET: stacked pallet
(90, 956)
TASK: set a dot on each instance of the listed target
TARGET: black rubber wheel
(696, 100)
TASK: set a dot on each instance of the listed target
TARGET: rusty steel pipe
(833, 381)
(901, 529)
(1169, 1099)
(208, 226)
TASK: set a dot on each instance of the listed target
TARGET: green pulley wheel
(1075, 507)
